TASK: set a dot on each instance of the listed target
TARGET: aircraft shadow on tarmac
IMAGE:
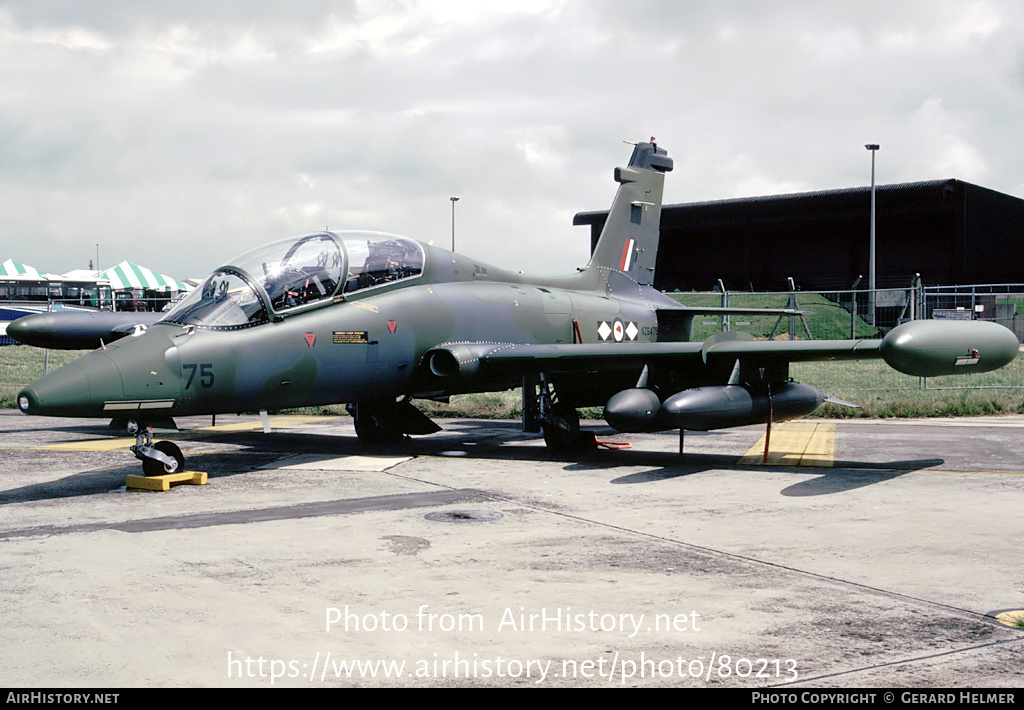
(89, 429)
(841, 477)
(71, 486)
(851, 475)
(470, 438)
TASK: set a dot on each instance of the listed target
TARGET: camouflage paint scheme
(376, 320)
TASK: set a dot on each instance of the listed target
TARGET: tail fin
(629, 240)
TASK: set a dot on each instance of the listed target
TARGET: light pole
(454, 200)
(873, 147)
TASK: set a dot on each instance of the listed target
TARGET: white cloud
(945, 143)
(180, 133)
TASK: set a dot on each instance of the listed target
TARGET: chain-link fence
(824, 315)
(1002, 303)
(858, 314)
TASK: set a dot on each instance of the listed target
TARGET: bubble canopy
(294, 274)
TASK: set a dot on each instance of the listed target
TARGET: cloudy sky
(178, 134)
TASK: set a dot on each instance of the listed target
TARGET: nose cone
(633, 410)
(22, 330)
(79, 389)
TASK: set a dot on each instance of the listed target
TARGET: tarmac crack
(902, 662)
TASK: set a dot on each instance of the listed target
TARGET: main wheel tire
(372, 427)
(561, 433)
(152, 467)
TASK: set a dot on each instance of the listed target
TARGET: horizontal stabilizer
(739, 311)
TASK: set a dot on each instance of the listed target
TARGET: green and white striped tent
(15, 268)
(128, 275)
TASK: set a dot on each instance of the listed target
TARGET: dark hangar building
(949, 231)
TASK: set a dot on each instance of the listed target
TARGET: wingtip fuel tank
(78, 330)
(929, 348)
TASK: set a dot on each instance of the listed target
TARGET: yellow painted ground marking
(286, 420)
(123, 442)
(796, 444)
(1013, 619)
(93, 445)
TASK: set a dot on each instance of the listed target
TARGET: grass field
(22, 364)
(825, 319)
(881, 391)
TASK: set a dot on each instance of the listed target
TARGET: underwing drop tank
(706, 408)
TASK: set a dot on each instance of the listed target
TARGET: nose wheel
(172, 462)
(159, 458)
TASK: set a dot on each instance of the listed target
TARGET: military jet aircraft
(376, 320)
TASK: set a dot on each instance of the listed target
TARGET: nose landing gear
(159, 458)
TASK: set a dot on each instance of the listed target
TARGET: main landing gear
(561, 426)
(388, 422)
(159, 458)
(558, 419)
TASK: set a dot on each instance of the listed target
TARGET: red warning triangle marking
(392, 325)
(310, 339)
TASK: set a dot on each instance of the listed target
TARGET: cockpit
(294, 274)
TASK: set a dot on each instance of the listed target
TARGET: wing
(921, 348)
(728, 380)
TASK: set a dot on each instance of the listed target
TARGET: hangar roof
(928, 189)
(948, 231)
